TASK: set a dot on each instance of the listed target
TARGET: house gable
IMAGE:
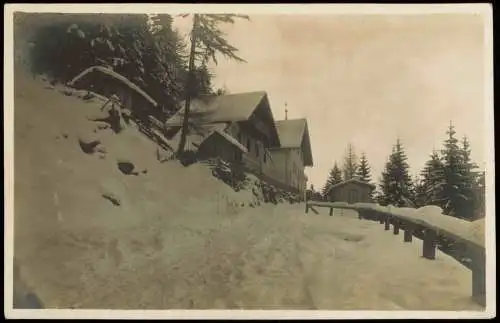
(351, 192)
(294, 133)
(251, 110)
(355, 182)
(262, 120)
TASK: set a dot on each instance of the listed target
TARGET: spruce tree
(396, 184)
(350, 163)
(469, 180)
(454, 190)
(334, 177)
(433, 181)
(337, 174)
(363, 171)
(143, 48)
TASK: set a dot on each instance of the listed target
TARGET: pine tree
(206, 41)
(469, 180)
(396, 184)
(433, 181)
(334, 177)
(145, 49)
(363, 171)
(386, 193)
(454, 190)
(170, 57)
(350, 164)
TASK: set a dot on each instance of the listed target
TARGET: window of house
(265, 156)
(239, 137)
(248, 144)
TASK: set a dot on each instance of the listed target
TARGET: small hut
(221, 144)
(106, 82)
(212, 141)
(351, 191)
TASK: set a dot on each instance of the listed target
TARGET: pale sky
(365, 79)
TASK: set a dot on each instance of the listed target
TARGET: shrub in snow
(232, 174)
(188, 157)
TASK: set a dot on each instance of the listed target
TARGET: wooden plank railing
(432, 225)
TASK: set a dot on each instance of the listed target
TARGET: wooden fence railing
(427, 227)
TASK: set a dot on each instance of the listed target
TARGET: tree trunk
(189, 85)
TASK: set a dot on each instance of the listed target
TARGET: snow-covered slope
(61, 214)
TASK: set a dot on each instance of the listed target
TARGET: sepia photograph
(249, 161)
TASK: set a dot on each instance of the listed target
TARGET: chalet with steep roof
(293, 154)
(244, 124)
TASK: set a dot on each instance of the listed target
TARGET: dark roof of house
(294, 133)
(198, 134)
(109, 72)
(355, 181)
(219, 108)
(229, 139)
(236, 107)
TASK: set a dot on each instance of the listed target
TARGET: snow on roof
(230, 139)
(200, 133)
(291, 132)
(219, 108)
(196, 135)
(352, 180)
(427, 216)
(115, 75)
(294, 133)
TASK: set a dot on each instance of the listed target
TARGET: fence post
(396, 227)
(387, 223)
(408, 235)
(429, 248)
(331, 211)
(381, 218)
(478, 275)
(307, 207)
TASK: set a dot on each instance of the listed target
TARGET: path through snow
(273, 258)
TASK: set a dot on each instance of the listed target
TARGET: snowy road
(278, 259)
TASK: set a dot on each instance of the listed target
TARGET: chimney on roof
(286, 111)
